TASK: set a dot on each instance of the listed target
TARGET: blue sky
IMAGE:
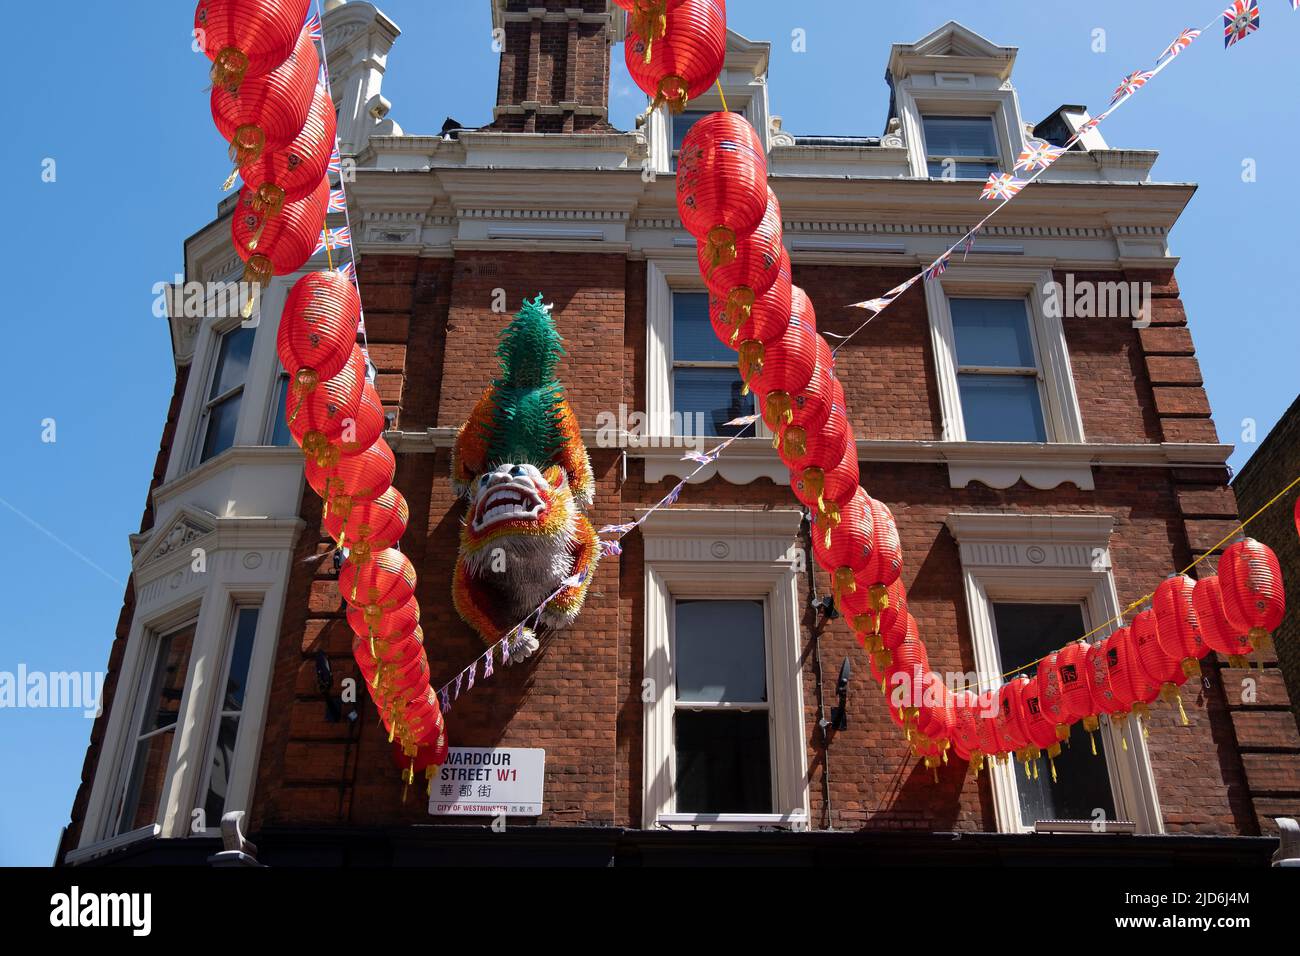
(138, 166)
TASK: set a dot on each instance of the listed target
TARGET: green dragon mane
(528, 398)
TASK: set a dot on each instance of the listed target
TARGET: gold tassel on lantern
(720, 246)
(740, 305)
(750, 361)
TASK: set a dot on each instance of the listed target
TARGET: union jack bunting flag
(313, 28)
(1295, 4)
(336, 162)
(1038, 156)
(505, 649)
(617, 528)
(349, 271)
(875, 305)
(672, 496)
(455, 690)
(742, 420)
(321, 80)
(1130, 85)
(1002, 186)
(1184, 40)
(573, 580)
(444, 700)
(610, 549)
(1239, 21)
(333, 239)
(967, 246)
(473, 669)
(938, 267)
(338, 201)
(699, 457)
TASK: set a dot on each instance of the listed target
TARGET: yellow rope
(721, 95)
(1147, 597)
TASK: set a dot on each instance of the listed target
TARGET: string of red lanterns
(280, 123)
(724, 202)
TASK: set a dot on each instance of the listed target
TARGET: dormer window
(960, 147)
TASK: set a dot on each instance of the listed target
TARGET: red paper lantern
(903, 674)
(860, 611)
(765, 320)
(265, 113)
(885, 563)
(823, 464)
(317, 416)
(721, 182)
(688, 57)
(384, 583)
(391, 685)
(965, 732)
(1207, 599)
(391, 626)
(894, 631)
(787, 364)
(371, 525)
(371, 653)
(1051, 694)
(929, 698)
(1096, 672)
(246, 38)
(1039, 725)
(986, 727)
(293, 172)
(845, 548)
(354, 477)
(1157, 666)
(1011, 729)
(1076, 694)
(318, 327)
(278, 245)
(368, 425)
(1178, 629)
(739, 282)
(808, 408)
(1251, 582)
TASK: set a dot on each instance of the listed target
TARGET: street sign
(489, 781)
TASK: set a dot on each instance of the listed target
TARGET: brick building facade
(1125, 483)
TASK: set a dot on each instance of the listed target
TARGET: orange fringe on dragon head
(520, 463)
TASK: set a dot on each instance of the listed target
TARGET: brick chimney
(555, 65)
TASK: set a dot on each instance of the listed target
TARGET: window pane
(682, 125)
(992, 332)
(241, 654)
(232, 360)
(693, 336)
(724, 763)
(223, 762)
(714, 393)
(1025, 632)
(280, 434)
(720, 651)
(144, 787)
(222, 419)
(1001, 408)
(959, 136)
(961, 170)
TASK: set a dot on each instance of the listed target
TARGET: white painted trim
(1057, 558)
(723, 553)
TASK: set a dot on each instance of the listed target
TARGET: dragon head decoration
(520, 463)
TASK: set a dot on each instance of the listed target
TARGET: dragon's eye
(517, 470)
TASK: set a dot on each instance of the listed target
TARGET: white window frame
(1062, 417)
(723, 553)
(217, 713)
(207, 402)
(994, 159)
(1056, 559)
(273, 408)
(124, 765)
(663, 278)
(1001, 105)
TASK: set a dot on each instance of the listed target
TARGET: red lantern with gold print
(808, 408)
(317, 417)
(885, 562)
(786, 364)
(903, 675)
(1177, 627)
(1250, 579)
(354, 477)
(986, 726)
(1219, 634)
(1157, 666)
(371, 526)
(845, 549)
(765, 321)
(1011, 728)
(277, 245)
(318, 327)
(294, 171)
(721, 182)
(392, 625)
(863, 616)
(384, 583)
(687, 56)
(741, 281)
(1039, 725)
(265, 113)
(245, 38)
